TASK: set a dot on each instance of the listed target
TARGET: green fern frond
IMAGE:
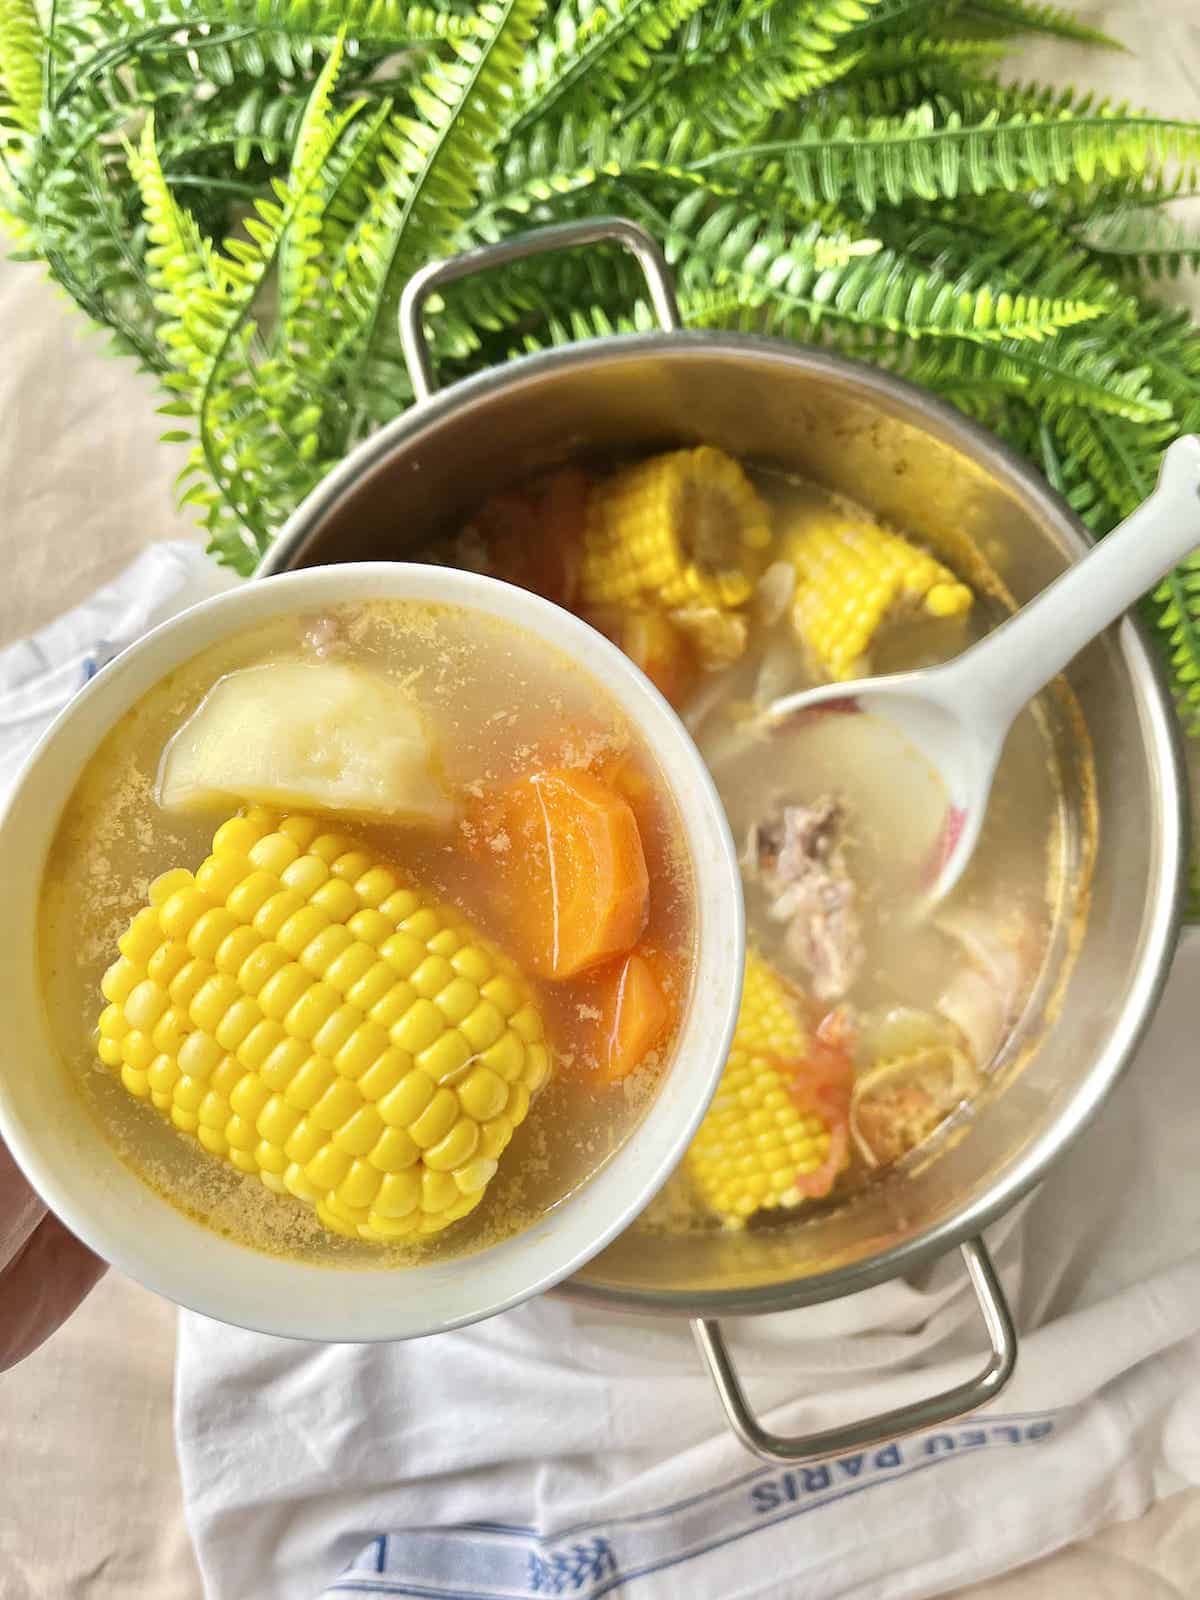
(999, 238)
(1135, 240)
(255, 447)
(929, 156)
(590, 52)
(779, 59)
(1022, 16)
(21, 51)
(893, 73)
(429, 178)
(879, 288)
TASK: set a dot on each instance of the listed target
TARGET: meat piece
(798, 858)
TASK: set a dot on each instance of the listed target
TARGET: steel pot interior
(924, 467)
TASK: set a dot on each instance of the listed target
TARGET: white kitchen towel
(561, 1451)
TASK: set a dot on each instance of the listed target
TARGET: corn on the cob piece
(679, 530)
(312, 1020)
(756, 1142)
(851, 576)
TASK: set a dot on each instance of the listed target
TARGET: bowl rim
(1148, 679)
(555, 1244)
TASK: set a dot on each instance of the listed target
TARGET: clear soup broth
(500, 710)
(869, 1026)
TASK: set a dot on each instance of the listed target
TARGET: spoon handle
(994, 679)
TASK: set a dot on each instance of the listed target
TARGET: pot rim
(1162, 732)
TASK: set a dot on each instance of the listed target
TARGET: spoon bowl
(957, 716)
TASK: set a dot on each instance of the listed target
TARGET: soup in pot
(869, 1021)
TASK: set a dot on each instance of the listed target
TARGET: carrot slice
(639, 1015)
(532, 537)
(574, 868)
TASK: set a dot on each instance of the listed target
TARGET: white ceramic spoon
(958, 715)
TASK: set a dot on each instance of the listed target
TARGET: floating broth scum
(500, 710)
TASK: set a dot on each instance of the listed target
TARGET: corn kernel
(283, 1063)
(325, 947)
(474, 1176)
(436, 1120)
(418, 1027)
(143, 936)
(184, 908)
(403, 952)
(394, 1151)
(274, 853)
(119, 982)
(274, 912)
(370, 926)
(360, 1186)
(353, 963)
(309, 1083)
(360, 1134)
(483, 1026)
(373, 886)
(277, 1121)
(235, 949)
(169, 883)
(282, 989)
(299, 931)
(208, 931)
(260, 966)
(506, 1057)
(364, 1046)
(167, 962)
(258, 1044)
(399, 1193)
(384, 1073)
(313, 1007)
(482, 1094)
(220, 875)
(446, 1057)
(473, 963)
(235, 1026)
(457, 1146)
(438, 1191)
(336, 1106)
(337, 899)
(405, 1103)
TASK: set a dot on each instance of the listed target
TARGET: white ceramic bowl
(46, 1125)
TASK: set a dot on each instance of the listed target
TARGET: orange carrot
(638, 1016)
(574, 870)
(532, 537)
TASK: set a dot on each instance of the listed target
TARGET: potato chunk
(321, 735)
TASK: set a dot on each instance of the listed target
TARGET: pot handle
(862, 1435)
(561, 236)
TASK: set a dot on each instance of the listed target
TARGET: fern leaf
(887, 76)
(930, 157)
(783, 56)
(1135, 239)
(591, 52)
(255, 466)
(21, 48)
(1022, 16)
(430, 177)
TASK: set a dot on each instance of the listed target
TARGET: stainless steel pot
(924, 466)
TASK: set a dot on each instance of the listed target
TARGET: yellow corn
(851, 576)
(755, 1140)
(311, 1019)
(678, 531)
